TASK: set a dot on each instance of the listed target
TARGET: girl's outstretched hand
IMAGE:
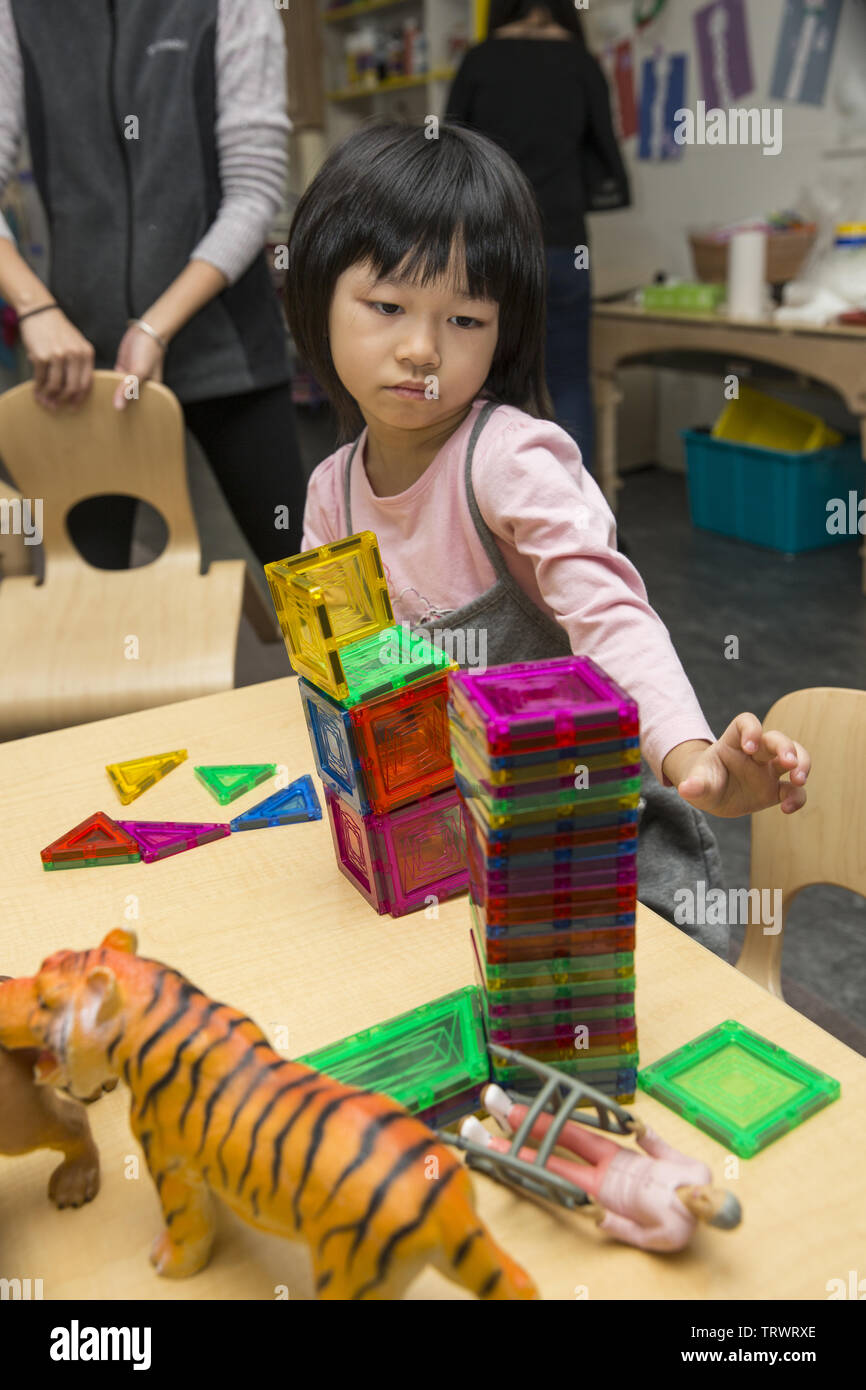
(742, 771)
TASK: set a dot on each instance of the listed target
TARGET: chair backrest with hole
(823, 842)
(90, 643)
(92, 450)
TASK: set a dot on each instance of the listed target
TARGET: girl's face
(410, 355)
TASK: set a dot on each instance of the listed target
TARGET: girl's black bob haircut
(408, 204)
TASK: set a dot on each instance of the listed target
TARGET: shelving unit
(392, 84)
(413, 96)
(344, 12)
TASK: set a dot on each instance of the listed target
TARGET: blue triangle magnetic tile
(296, 802)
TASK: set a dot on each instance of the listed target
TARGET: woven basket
(786, 252)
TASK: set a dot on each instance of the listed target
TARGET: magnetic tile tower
(375, 700)
(547, 764)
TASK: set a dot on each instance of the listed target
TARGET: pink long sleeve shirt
(558, 539)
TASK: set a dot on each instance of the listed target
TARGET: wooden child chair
(825, 842)
(88, 643)
(14, 549)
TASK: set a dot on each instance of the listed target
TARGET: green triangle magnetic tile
(227, 781)
(738, 1087)
(419, 1058)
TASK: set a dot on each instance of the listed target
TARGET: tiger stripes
(216, 1111)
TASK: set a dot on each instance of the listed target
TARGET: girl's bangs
(423, 225)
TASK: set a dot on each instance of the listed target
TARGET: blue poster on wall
(805, 50)
(662, 94)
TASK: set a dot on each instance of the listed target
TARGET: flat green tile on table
(419, 1058)
(738, 1087)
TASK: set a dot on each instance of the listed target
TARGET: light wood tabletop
(264, 921)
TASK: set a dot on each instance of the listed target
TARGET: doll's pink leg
(582, 1174)
(589, 1145)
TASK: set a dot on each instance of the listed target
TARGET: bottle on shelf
(421, 50)
(411, 34)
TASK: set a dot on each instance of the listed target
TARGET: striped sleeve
(252, 131)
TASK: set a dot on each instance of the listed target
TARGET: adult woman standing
(535, 89)
(157, 133)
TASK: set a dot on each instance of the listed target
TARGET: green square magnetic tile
(418, 1058)
(738, 1087)
(390, 660)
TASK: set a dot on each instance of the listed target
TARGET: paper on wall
(663, 90)
(722, 42)
(804, 50)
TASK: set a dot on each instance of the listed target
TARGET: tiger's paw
(176, 1261)
(75, 1182)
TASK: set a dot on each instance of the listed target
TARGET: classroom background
(755, 608)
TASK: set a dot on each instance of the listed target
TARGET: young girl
(416, 294)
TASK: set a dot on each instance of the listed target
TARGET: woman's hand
(61, 357)
(742, 771)
(138, 355)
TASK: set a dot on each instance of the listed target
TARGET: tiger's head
(76, 1003)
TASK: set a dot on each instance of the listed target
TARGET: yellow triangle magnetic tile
(134, 776)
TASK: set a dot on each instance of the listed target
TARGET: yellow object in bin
(758, 419)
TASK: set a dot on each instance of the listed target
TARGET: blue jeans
(567, 348)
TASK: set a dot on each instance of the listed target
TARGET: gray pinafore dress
(676, 848)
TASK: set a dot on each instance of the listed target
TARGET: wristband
(31, 312)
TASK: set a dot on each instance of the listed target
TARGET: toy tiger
(33, 1116)
(293, 1152)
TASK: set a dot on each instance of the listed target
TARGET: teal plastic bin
(770, 497)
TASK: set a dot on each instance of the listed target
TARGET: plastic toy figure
(652, 1201)
(34, 1116)
(215, 1109)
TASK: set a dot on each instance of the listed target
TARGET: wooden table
(265, 921)
(623, 334)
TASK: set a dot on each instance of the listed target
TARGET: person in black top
(534, 88)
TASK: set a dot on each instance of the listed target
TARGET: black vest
(124, 214)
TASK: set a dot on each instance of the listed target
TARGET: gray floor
(799, 622)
